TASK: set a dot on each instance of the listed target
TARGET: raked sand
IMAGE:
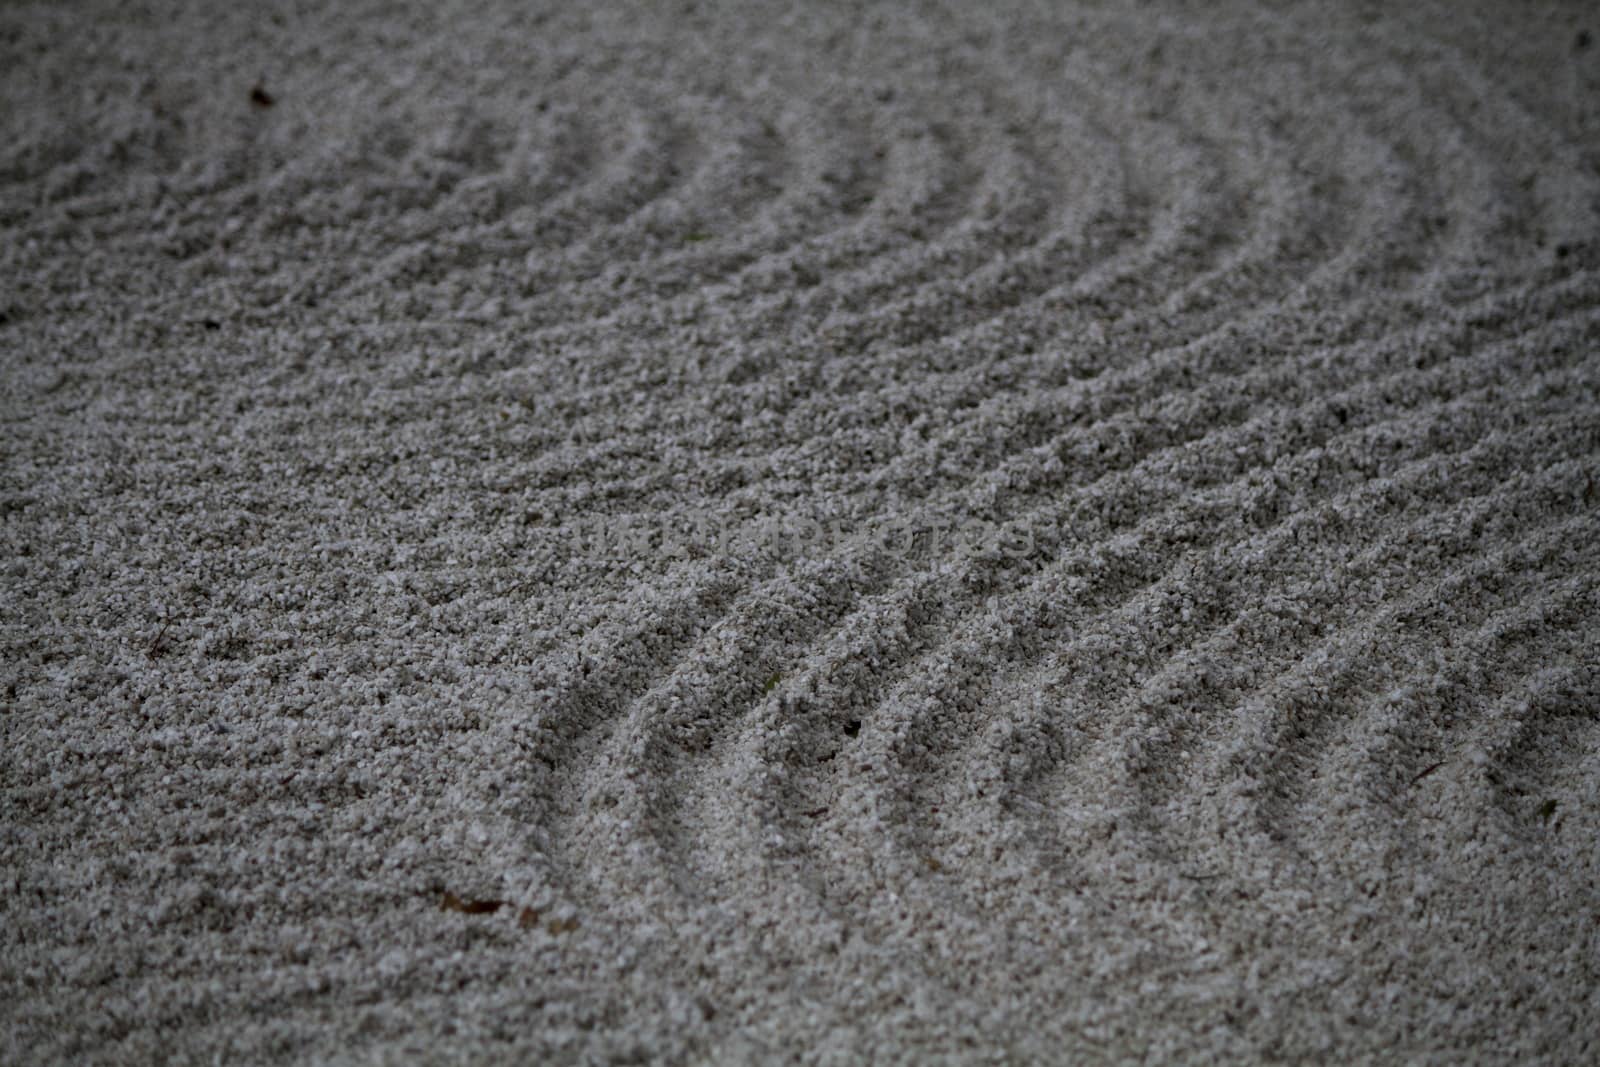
(728, 532)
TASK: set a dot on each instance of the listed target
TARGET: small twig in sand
(157, 647)
(1427, 771)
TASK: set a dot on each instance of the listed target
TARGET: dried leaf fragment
(451, 902)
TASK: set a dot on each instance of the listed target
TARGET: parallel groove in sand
(1283, 371)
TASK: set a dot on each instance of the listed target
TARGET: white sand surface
(477, 485)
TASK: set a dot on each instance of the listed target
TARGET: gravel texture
(709, 532)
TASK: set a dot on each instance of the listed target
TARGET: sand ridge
(479, 489)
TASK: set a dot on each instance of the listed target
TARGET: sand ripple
(1270, 333)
